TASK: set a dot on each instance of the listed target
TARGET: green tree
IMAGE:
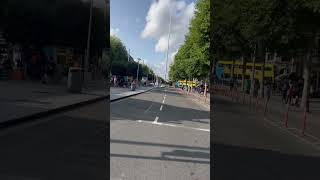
(120, 64)
(192, 59)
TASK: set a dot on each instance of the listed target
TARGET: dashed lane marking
(173, 125)
(156, 120)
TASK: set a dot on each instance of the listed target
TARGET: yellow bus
(269, 70)
(189, 83)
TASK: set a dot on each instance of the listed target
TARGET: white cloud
(158, 20)
(114, 31)
(159, 69)
(157, 27)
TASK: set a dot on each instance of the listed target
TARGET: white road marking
(148, 108)
(156, 120)
(173, 125)
(161, 107)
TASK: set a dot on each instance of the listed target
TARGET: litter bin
(75, 79)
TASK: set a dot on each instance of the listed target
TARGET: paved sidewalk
(116, 93)
(20, 100)
(276, 113)
(196, 96)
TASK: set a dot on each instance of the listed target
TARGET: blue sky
(147, 38)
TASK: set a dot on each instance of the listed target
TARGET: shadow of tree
(181, 153)
(134, 108)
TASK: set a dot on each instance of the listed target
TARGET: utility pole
(263, 73)
(292, 61)
(168, 45)
(253, 71)
(86, 61)
(244, 70)
(138, 70)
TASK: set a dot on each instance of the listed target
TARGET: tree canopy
(283, 26)
(192, 59)
(120, 64)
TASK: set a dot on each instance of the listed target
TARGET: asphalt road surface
(247, 146)
(159, 135)
(70, 145)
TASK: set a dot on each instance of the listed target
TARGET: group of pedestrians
(292, 92)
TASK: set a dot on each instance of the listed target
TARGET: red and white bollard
(286, 117)
(265, 106)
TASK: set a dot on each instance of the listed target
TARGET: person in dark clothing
(284, 92)
(256, 88)
(289, 94)
(51, 66)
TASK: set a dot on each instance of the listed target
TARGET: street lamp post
(138, 70)
(168, 45)
(86, 61)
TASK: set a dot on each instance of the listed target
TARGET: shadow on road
(162, 158)
(191, 155)
(158, 144)
(237, 163)
(135, 109)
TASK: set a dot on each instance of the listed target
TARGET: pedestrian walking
(284, 90)
(289, 94)
(268, 92)
(256, 88)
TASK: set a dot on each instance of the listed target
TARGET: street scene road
(160, 134)
(253, 147)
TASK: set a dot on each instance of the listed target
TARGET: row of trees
(121, 66)
(250, 28)
(52, 22)
(192, 59)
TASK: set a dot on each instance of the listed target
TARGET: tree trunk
(244, 66)
(252, 75)
(262, 74)
(205, 89)
(232, 71)
(306, 84)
